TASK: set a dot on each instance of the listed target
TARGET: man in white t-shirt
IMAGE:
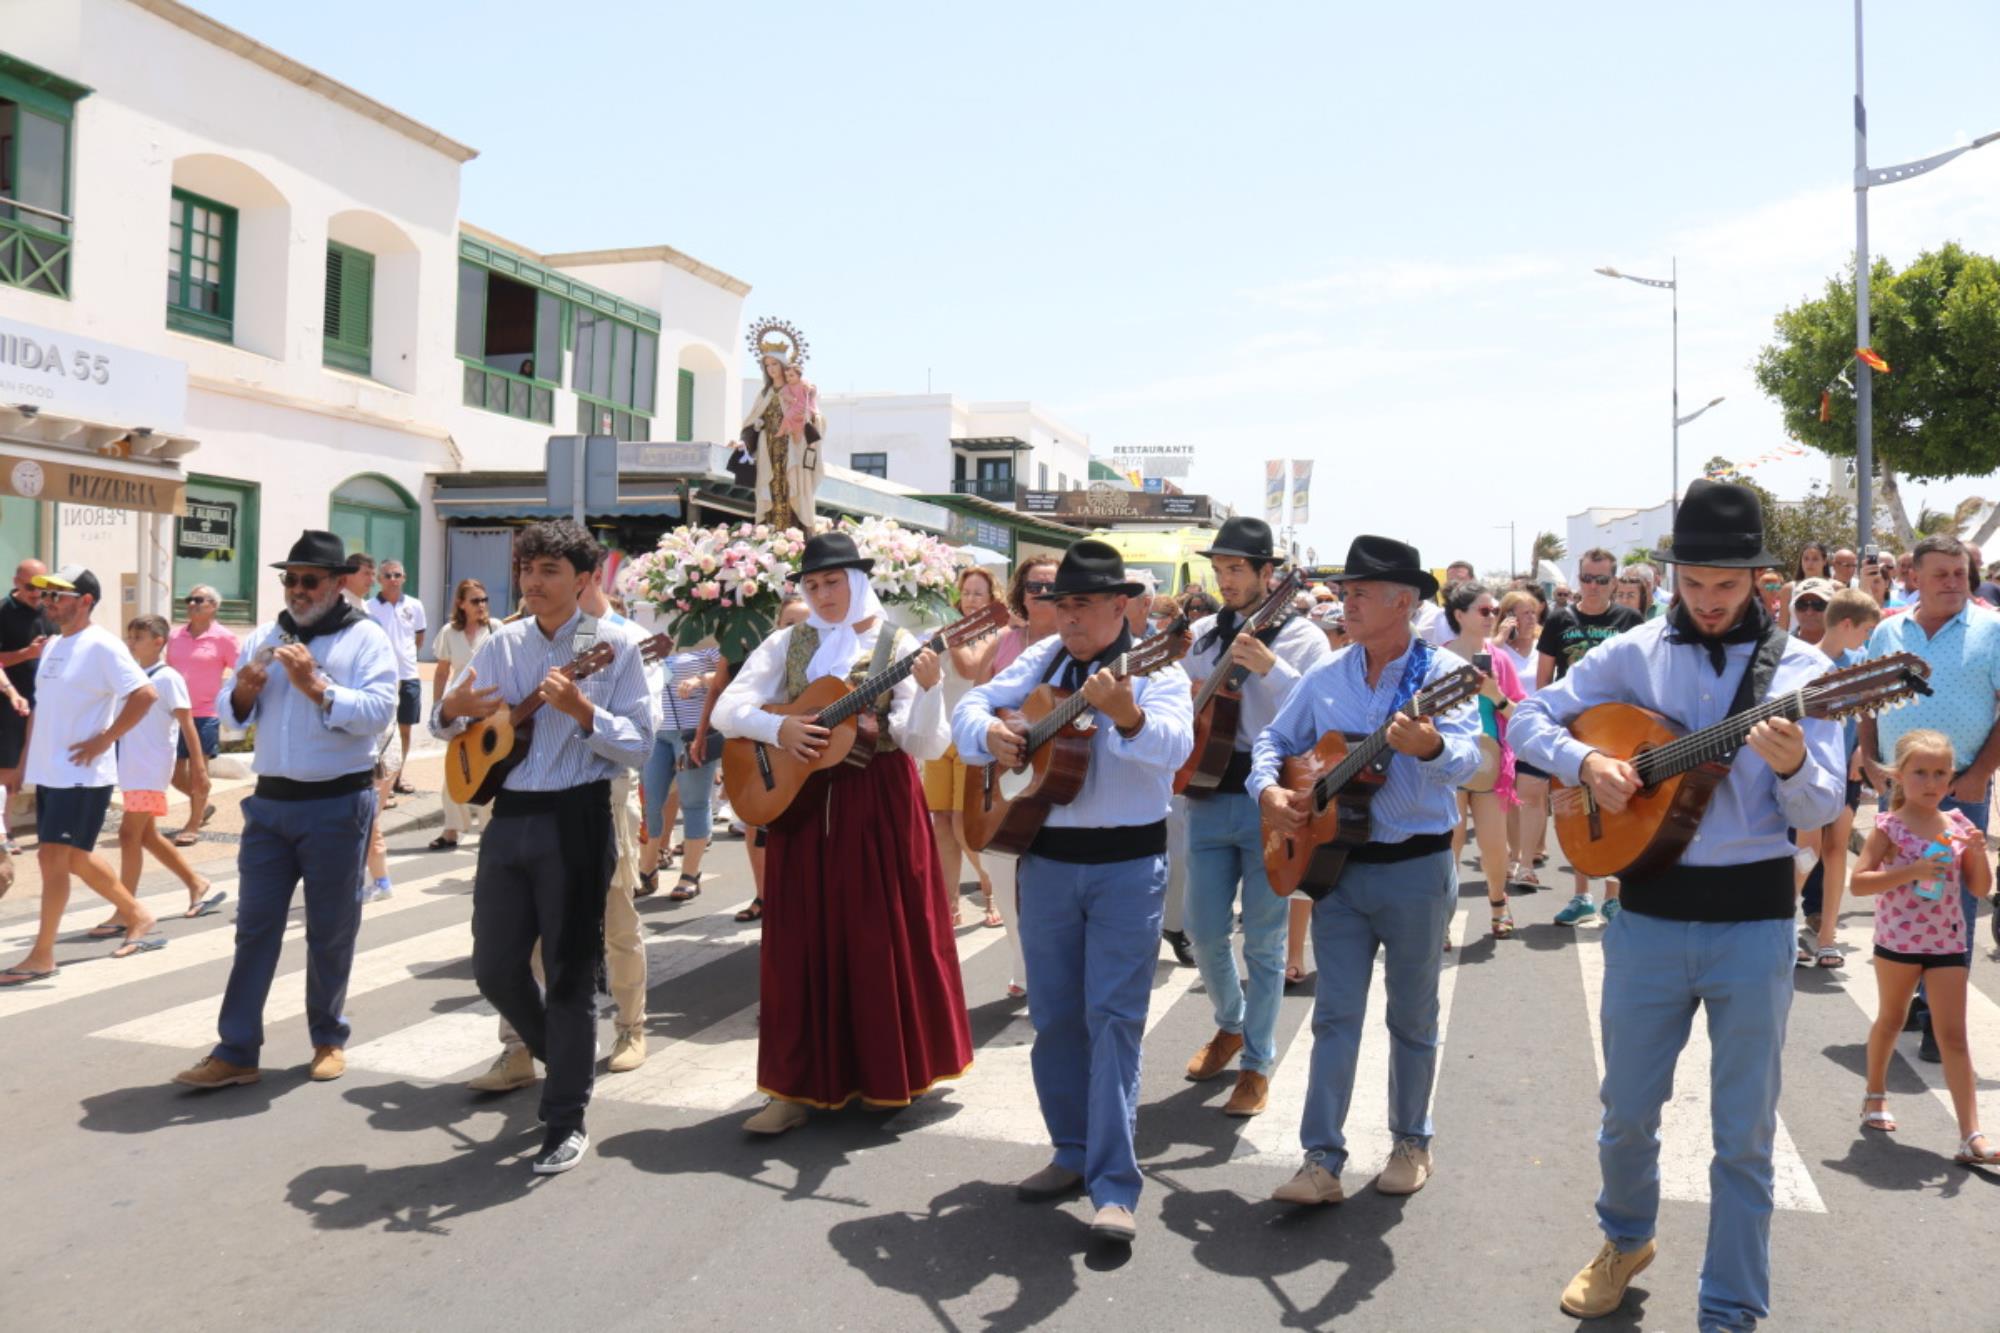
(401, 617)
(88, 693)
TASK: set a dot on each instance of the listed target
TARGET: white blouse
(917, 717)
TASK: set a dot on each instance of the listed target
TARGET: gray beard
(317, 613)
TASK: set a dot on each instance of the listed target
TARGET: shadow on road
(163, 1105)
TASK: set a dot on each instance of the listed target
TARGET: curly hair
(560, 539)
(1017, 587)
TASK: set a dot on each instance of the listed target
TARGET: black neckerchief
(343, 614)
(1074, 673)
(1224, 631)
(1681, 629)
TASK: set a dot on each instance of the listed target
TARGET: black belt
(510, 802)
(1100, 846)
(1409, 849)
(1756, 891)
(290, 789)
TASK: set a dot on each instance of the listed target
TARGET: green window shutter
(350, 300)
(684, 407)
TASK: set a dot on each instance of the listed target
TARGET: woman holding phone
(1471, 613)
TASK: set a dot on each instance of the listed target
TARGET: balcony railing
(31, 257)
(1000, 490)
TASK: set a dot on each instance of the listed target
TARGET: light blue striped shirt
(1418, 795)
(1129, 782)
(296, 738)
(1752, 808)
(518, 657)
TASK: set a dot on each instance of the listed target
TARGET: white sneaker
(375, 892)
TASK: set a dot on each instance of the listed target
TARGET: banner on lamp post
(1302, 472)
(1274, 491)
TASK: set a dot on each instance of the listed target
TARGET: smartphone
(1484, 661)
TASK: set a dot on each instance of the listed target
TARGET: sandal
(754, 912)
(1830, 956)
(443, 844)
(1503, 920)
(1969, 1156)
(993, 921)
(1880, 1117)
(1525, 882)
(688, 886)
(649, 884)
(402, 787)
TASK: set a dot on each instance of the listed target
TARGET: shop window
(870, 465)
(613, 371)
(215, 542)
(36, 109)
(201, 266)
(350, 300)
(510, 337)
(684, 406)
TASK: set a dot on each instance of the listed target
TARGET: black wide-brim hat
(1249, 538)
(1720, 524)
(1091, 566)
(1386, 560)
(832, 550)
(318, 550)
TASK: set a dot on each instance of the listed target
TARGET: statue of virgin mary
(783, 429)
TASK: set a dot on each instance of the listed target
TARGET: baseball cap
(71, 578)
(1824, 589)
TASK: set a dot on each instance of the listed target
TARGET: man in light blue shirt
(1093, 883)
(320, 685)
(1397, 892)
(1712, 931)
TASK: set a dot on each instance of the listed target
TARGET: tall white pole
(1864, 378)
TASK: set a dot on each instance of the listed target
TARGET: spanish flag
(1825, 405)
(1871, 360)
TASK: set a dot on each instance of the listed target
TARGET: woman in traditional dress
(860, 985)
(788, 463)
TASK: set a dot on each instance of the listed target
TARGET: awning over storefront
(1003, 529)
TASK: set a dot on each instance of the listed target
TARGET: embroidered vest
(805, 642)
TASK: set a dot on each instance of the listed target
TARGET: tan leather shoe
(1600, 1287)
(1248, 1099)
(209, 1072)
(1313, 1184)
(514, 1068)
(1409, 1167)
(328, 1064)
(1213, 1058)
(776, 1117)
(1050, 1183)
(629, 1052)
(1114, 1223)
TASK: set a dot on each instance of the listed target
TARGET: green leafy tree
(1937, 413)
(1790, 524)
(1546, 546)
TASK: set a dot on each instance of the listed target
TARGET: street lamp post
(1513, 569)
(1864, 378)
(1673, 286)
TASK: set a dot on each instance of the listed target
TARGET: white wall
(916, 431)
(1616, 530)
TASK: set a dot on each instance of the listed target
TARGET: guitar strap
(885, 648)
(1756, 681)
(584, 636)
(1414, 670)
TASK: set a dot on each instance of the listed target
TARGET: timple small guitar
(762, 780)
(1680, 773)
(1343, 774)
(1218, 700)
(1005, 807)
(478, 760)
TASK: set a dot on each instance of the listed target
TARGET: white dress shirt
(1300, 646)
(916, 715)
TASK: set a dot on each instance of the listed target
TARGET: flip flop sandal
(15, 977)
(144, 944)
(754, 912)
(185, 839)
(688, 887)
(208, 906)
(108, 931)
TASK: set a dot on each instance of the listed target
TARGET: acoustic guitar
(1218, 700)
(1680, 772)
(763, 780)
(1006, 807)
(478, 760)
(1343, 773)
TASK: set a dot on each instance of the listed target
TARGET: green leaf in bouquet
(739, 631)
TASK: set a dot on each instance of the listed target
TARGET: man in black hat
(1225, 836)
(1093, 884)
(1713, 932)
(1396, 894)
(319, 683)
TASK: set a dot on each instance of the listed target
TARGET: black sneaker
(561, 1150)
(1177, 940)
(1927, 1049)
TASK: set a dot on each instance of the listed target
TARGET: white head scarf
(839, 644)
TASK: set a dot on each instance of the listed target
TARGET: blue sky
(1362, 234)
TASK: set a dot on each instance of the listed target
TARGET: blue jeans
(1091, 935)
(1656, 973)
(1401, 908)
(696, 783)
(321, 843)
(1225, 848)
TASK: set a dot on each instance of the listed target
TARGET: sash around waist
(1100, 846)
(1754, 891)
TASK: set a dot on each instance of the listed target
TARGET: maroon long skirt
(861, 990)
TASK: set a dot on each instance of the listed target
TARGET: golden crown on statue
(779, 338)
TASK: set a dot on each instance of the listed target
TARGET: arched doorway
(373, 514)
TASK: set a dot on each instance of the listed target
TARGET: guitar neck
(1228, 675)
(1070, 709)
(862, 696)
(1362, 754)
(1718, 743)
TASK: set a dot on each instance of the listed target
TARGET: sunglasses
(475, 601)
(1484, 611)
(1808, 604)
(1594, 578)
(1773, 587)
(1038, 585)
(310, 582)
(199, 601)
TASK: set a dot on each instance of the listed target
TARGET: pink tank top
(1905, 922)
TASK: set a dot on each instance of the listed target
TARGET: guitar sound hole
(487, 741)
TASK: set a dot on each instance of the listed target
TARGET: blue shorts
(409, 702)
(72, 816)
(207, 730)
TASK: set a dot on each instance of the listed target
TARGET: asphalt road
(394, 1199)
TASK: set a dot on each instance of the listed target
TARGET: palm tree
(1936, 523)
(1546, 546)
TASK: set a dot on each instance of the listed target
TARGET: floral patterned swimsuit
(1906, 923)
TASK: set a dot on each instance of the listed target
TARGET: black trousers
(520, 894)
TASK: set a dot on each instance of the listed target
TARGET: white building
(1616, 530)
(318, 335)
(940, 445)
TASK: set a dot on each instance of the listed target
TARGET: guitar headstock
(1447, 692)
(657, 647)
(1160, 651)
(1277, 607)
(976, 626)
(1869, 688)
(592, 660)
